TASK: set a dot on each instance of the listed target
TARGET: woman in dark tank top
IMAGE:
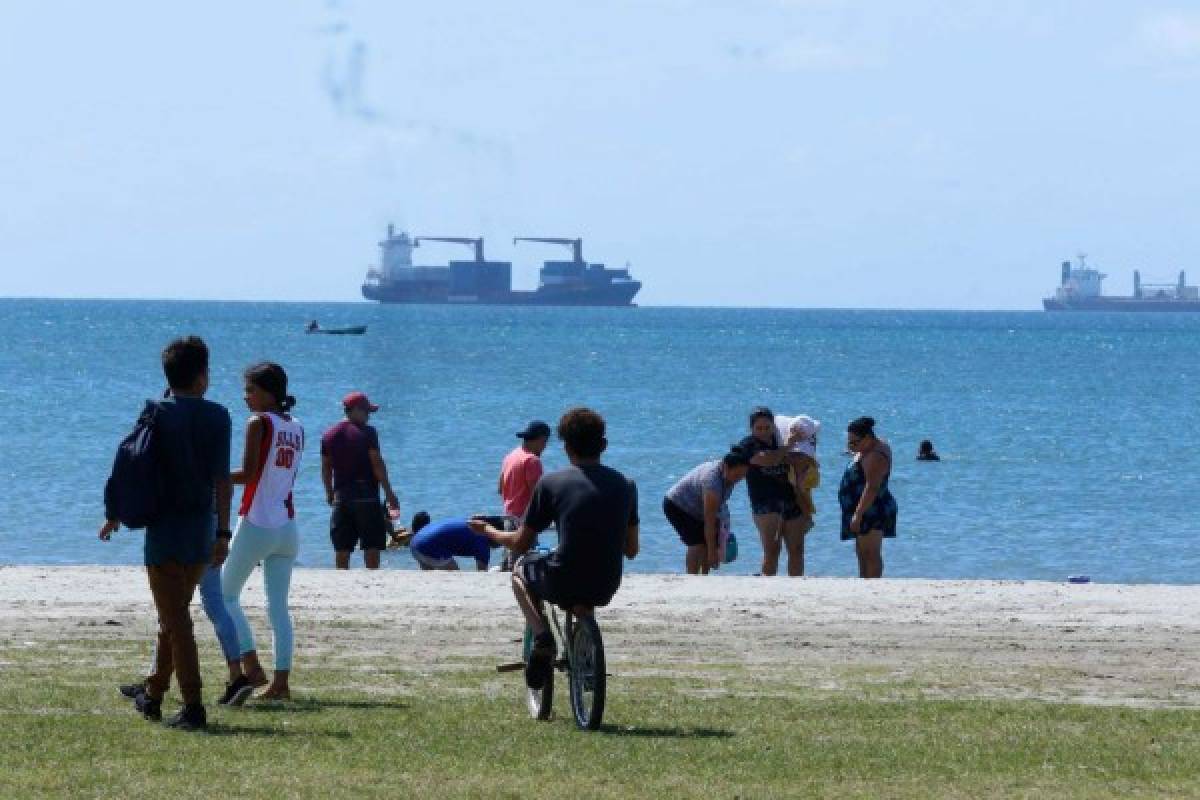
(868, 508)
(779, 519)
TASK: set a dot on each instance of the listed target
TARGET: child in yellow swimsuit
(802, 431)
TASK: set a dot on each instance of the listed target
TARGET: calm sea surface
(1068, 441)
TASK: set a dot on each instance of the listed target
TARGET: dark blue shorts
(536, 575)
(549, 585)
(690, 529)
(784, 506)
(870, 523)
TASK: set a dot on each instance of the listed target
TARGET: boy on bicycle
(595, 510)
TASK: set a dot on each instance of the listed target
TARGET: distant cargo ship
(483, 282)
(1081, 290)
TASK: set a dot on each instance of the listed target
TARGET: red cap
(358, 400)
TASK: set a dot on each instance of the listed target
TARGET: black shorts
(548, 585)
(690, 529)
(784, 506)
(363, 522)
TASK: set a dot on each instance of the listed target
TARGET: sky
(792, 153)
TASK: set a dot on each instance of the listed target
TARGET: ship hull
(619, 295)
(1119, 304)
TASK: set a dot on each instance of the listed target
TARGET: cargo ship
(1081, 289)
(480, 281)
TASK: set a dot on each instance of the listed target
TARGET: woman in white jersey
(266, 529)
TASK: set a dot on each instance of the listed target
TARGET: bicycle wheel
(586, 671)
(541, 701)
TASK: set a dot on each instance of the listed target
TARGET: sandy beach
(1097, 644)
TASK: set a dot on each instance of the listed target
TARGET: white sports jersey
(267, 500)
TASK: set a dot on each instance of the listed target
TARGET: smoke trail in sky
(344, 82)
(343, 76)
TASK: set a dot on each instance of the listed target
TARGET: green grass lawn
(360, 729)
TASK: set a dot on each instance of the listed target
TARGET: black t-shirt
(594, 506)
(765, 483)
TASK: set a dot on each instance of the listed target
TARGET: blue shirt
(452, 538)
(194, 436)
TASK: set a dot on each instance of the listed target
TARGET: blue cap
(534, 430)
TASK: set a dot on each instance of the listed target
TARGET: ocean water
(1068, 440)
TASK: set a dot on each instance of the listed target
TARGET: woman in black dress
(868, 508)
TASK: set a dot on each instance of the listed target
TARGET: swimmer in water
(925, 451)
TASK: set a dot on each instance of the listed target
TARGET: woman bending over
(696, 508)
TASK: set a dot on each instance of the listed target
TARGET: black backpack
(135, 492)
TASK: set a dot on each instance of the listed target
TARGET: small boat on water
(353, 330)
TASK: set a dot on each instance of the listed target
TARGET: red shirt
(347, 446)
(519, 473)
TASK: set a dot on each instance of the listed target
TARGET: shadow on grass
(308, 705)
(665, 733)
(216, 729)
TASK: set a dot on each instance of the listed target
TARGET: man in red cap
(353, 470)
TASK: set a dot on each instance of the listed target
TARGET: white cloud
(1174, 35)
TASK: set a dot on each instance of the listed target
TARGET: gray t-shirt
(688, 492)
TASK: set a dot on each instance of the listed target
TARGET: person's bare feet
(279, 689)
(278, 693)
(253, 670)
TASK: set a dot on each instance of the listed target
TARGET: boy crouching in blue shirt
(435, 545)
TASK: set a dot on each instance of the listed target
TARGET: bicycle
(581, 650)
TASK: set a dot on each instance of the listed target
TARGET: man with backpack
(167, 477)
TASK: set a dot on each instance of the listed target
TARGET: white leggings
(276, 548)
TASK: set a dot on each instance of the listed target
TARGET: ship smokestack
(1137, 284)
(391, 230)
(1066, 272)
